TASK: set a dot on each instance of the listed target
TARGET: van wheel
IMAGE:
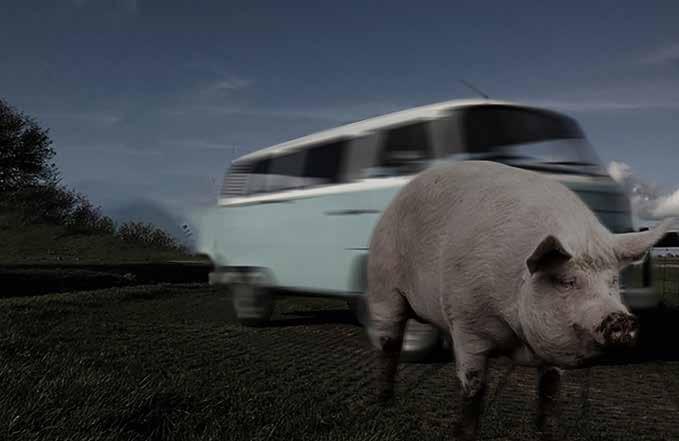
(252, 303)
(419, 341)
(358, 308)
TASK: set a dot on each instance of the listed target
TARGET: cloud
(648, 201)
(216, 89)
(203, 144)
(667, 206)
(132, 6)
(115, 149)
(619, 92)
(231, 84)
(100, 119)
(337, 114)
(666, 55)
(129, 6)
(607, 105)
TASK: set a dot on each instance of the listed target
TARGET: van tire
(358, 308)
(419, 340)
(253, 304)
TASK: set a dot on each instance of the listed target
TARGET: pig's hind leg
(389, 312)
(471, 361)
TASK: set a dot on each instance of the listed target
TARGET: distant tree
(31, 189)
(25, 152)
(86, 218)
(41, 203)
(142, 233)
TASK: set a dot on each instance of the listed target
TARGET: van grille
(235, 180)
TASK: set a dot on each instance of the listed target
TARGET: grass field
(168, 362)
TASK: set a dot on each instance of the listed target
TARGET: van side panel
(307, 243)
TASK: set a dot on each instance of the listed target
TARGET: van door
(306, 237)
(395, 156)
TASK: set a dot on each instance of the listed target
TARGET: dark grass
(168, 362)
(152, 363)
(29, 280)
(54, 244)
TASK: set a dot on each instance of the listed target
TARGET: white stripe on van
(371, 184)
(362, 185)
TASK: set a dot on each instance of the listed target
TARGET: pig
(509, 263)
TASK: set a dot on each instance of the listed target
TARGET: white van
(298, 216)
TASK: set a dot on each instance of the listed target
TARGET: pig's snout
(618, 329)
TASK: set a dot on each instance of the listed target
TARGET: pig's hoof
(386, 397)
(383, 396)
(545, 436)
(463, 432)
(545, 428)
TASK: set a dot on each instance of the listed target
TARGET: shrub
(86, 218)
(42, 204)
(146, 234)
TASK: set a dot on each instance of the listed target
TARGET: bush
(48, 203)
(57, 205)
(85, 218)
(146, 234)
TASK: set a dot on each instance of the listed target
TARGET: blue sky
(146, 100)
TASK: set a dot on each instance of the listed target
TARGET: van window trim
(317, 191)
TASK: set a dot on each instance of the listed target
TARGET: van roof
(361, 127)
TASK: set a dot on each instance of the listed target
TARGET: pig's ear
(632, 247)
(550, 253)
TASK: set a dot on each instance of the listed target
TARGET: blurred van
(297, 217)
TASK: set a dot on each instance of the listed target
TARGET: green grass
(54, 244)
(148, 363)
(168, 362)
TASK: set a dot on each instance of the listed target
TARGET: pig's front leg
(549, 385)
(470, 362)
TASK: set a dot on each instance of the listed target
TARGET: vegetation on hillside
(32, 195)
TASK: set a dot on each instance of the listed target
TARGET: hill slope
(54, 244)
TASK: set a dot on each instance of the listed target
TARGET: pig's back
(471, 225)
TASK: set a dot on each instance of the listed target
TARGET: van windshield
(526, 137)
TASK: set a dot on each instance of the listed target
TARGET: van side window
(324, 162)
(406, 149)
(261, 167)
(285, 171)
(311, 165)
